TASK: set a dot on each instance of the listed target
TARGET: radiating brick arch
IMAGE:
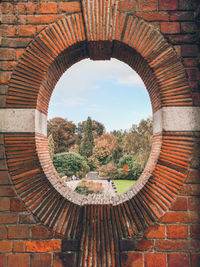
(101, 33)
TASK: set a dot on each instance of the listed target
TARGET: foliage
(51, 146)
(70, 163)
(63, 132)
(97, 129)
(108, 170)
(89, 187)
(87, 144)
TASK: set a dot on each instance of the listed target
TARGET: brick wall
(156, 228)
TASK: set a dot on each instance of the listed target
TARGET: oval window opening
(100, 127)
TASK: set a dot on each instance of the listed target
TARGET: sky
(108, 91)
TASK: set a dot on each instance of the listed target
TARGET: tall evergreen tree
(87, 144)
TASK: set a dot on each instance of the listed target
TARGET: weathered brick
(26, 30)
(188, 27)
(3, 91)
(7, 218)
(127, 6)
(190, 190)
(193, 176)
(137, 245)
(7, 30)
(160, 259)
(16, 42)
(9, 19)
(3, 232)
(189, 50)
(195, 259)
(190, 62)
(67, 259)
(7, 191)
(177, 231)
(179, 204)
(5, 246)
(4, 177)
(19, 260)
(69, 7)
(26, 219)
(16, 204)
(177, 245)
(18, 232)
(187, 5)
(8, 8)
(19, 246)
(19, 53)
(167, 4)
(42, 260)
(3, 260)
(178, 260)
(148, 5)
(196, 99)
(181, 16)
(3, 165)
(194, 203)
(41, 232)
(43, 246)
(132, 259)
(4, 204)
(155, 231)
(195, 231)
(5, 78)
(170, 27)
(7, 53)
(182, 38)
(46, 8)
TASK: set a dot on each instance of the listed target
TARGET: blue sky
(107, 91)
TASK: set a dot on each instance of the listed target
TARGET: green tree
(87, 144)
(69, 163)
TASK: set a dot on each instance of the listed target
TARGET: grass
(123, 185)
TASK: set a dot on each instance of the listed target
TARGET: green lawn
(123, 185)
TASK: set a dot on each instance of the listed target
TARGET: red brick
(7, 218)
(16, 204)
(178, 260)
(18, 232)
(179, 204)
(41, 19)
(7, 191)
(26, 219)
(19, 246)
(167, 4)
(148, 5)
(8, 8)
(46, 8)
(18, 260)
(187, 5)
(22, 19)
(9, 19)
(170, 27)
(127, 6)
(190, 190)
(177, 231)
(153, 16)
(4, 176)
(43, 246)
(155, 259)
(132, 259)
(26, 30)
(195, 259)
(57, 261)
(177, 245)
(180, 217)
(40, 28)
(7, 30)
(16, 42)
(26, 8)
(181, 16)
(41, 232)
(194, 203)
(4, 204)
(155, 231)
(3, 232)
(196, 99)
(3, 261)
(5, 78)
(69, 7)
(189, 50)
(195, 231)
(42, 260)
(5, 246)
(144, 245)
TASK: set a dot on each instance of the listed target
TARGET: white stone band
(176, 119)
(23, 121)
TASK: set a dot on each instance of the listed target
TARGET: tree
(87, 144)
(97, 129)
(63, 132)
(69, 163)
(51, 146)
